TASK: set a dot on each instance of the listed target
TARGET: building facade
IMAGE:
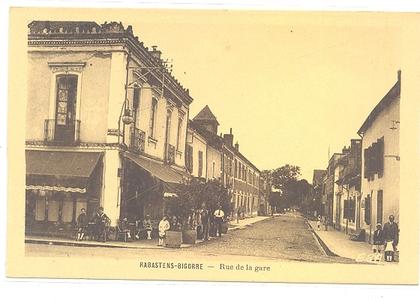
(380, 161)
(106, 125)
(225, 163)
(349, 188)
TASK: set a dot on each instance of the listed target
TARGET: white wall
(390, 181)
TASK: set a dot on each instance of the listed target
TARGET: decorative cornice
(55, 33)
(100, 146)
(66, 66)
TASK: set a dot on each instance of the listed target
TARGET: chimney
(155, 52)
(399, 75)
(228, 138)
(237, 146)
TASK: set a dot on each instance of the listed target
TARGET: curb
(104, 245)
(324, 246)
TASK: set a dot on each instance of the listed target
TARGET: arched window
(152, 122)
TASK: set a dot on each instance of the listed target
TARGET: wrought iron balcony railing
(138, 140)
(62, 133)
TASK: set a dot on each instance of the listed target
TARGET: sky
(293, 87)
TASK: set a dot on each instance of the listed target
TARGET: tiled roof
(393, 94)
(205, 115)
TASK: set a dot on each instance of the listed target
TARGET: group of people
(386, 239)
(202, 220)
(100, 222)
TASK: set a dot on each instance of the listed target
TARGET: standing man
(82, 223)
(205, 221)
(101, 223)
(391, 235)
(218, 218)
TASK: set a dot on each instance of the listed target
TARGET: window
(168, 126)
(136, 103)
(200, 163)
(152, 122)
(379, 206)
(65, 114)
(374, 159)
(236, 168)
(367, 210)
(179, 135)
(189, 158)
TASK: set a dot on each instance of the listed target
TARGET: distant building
(381, 161)
(330, 187)
(227, 164)
(348, 188)
(317, 186)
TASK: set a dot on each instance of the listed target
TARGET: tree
(194, 193)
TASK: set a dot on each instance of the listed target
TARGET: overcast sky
(290, 85)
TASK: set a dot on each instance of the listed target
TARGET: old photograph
(212, 141)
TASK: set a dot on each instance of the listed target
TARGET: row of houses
(108, 125)
(360, 186)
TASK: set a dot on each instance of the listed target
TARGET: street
(285, 238)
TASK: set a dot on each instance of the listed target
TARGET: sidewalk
(233, 225)
(340, 244)
(138, 244)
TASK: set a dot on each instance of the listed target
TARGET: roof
(216, 141)
(163, 172)
(61, 26)
(60, 170)
(390, 97)
(212, 139)
(206, 115)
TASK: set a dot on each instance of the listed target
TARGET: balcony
(138, 140)
(170, 154)
(63, 133)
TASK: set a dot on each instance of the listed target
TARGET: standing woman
(163, 227)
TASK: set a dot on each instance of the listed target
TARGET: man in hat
(391, 236)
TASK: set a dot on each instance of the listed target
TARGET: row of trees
(288, 190)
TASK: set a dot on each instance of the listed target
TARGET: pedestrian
(101, 221)
(318, 222)
(218, 219)
(82, 223)
(124, 227)
(326, 223)
(205, 221)
(147, 225)
(391, 237)
(378, 241)
(163, 227)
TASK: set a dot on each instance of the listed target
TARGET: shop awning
(60, 170)
(163, 172)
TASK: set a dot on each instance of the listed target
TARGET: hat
(379, 224)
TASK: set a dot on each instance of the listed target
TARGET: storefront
(147, 183)
(58, 185)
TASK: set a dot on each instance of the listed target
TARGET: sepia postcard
(215, 145)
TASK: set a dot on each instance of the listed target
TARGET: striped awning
(61, 171)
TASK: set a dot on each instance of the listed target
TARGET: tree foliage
(193, 194)
(292, 190)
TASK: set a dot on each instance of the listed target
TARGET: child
(163, 227)
(378, 241)
(389, 251)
